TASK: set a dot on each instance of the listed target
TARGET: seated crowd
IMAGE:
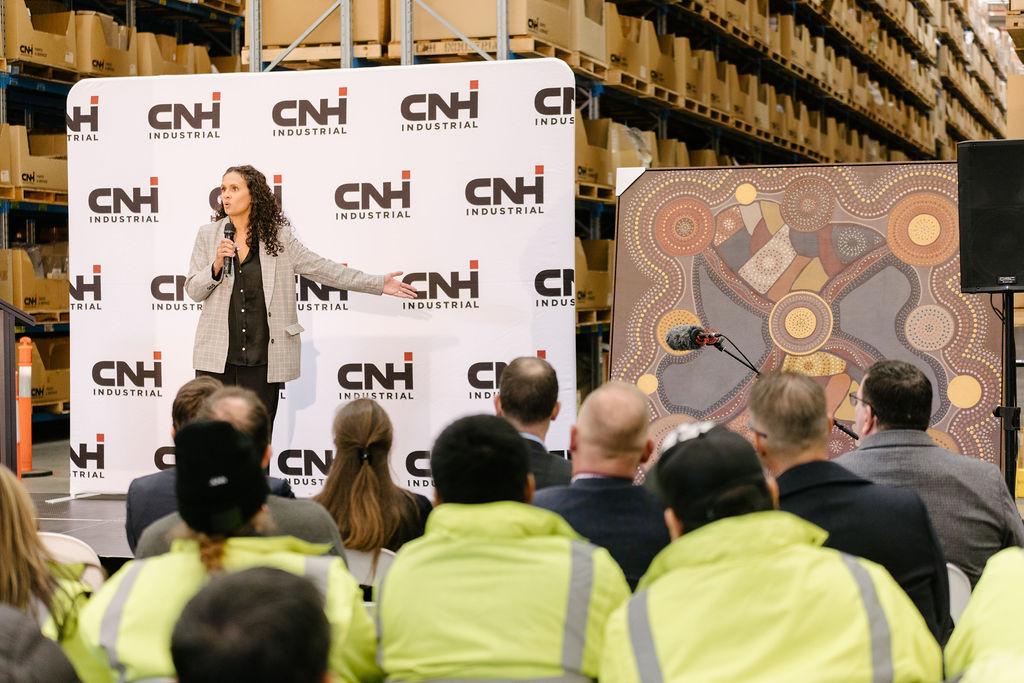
(734, 560)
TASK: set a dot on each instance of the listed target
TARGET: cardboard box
(672, 154)
(23, 287)
(738, 13)
(104, 47)
(629, 41)
(742, 94)
(1014, 106)
(196, 58)
(595, 264)
(662, 60)
(39, 161)
(682, 56)
(588, 33)
(700, 75)
(762, 112)
(627, 147)
(8, 159)
(226, 65)
(703, 157)
(720, 87)
(592, 161)
(158, 55)
(51, 370)
(547, 19)
(39, 37)
(817, 62)
(760, 28)
(809, 127)
(285, 20)
(790, 119)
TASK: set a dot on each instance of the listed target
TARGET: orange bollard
(24, 405)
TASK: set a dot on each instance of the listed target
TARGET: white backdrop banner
(460, 175)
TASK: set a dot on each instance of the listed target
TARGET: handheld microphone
(229, 233)
(690, 338)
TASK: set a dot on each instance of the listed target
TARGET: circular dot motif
(964, 391)
(679, 316)
(808, 204)
(800, 323)
(923, 230)
(684, 227)
(647, 383)
(746, 194)
(727, 224)
(929, 328)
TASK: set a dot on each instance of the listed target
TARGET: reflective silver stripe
(581, 582)
(317, 570)
(566, 678)
(378, 596)
(110, 625)
(647, 665)
(155, 680)
(878, 624)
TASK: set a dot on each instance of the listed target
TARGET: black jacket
(548, 469)
(889, 526)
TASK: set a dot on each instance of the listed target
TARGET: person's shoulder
(423, 504)
(296, 507)
(551, 496)
(151, 482)
(211, 226)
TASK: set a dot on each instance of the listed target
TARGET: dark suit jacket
(883, 524)
(548, 470)
(154, 496)
(625, 519)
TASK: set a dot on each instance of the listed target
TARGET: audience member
(26, 655)
(370, 511)
(746, 593)
(528, 399)
(278, 634)
(30, 580)
(608, 444)
(496, 588)
(986, 644)
(152, 496)
(302, 519)
(791, 430)
(221, 494)
(967, 498)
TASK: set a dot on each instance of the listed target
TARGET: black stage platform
(97, 520)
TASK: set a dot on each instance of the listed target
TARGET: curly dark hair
(265, 217)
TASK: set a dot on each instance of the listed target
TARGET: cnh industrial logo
(83, 123)
(126, 204)
(555, 106)
(313, 296)
(484, 376)
(323, 117)
(449, 111)
(516, 196)
(181, 121)
(276, 186)
(305, 466)
(89, 459)
(168, 292)
(454, 289)
(417, 465)
(388, 199)
(555, 288)
(128, 378)
(391, 381)
(86, 292)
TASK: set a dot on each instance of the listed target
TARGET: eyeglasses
(756, 431)
(855, 399)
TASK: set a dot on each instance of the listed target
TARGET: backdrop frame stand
(1009, 412)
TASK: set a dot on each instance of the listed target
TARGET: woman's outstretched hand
(395, 287)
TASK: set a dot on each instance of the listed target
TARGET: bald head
(243, 410)
(528, 392)
(612, 424)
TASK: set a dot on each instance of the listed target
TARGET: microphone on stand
(229, 233)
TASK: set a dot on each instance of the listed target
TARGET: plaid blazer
(210, 350)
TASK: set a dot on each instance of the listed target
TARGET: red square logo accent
(406, 175)
(342, 92)
(408, 356)
(541, 353)
(95, 99)
(99, 438)
(538, 169)
(474, 264)
(157, 355)
(277, 179)
(96, 268)
(216, 96)
(474, 84)
(153, 180)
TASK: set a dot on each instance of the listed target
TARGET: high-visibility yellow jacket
(990, 626)
(69, 599)
(127, 625)
(755, 598)
(497, 591)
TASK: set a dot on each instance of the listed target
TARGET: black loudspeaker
(991, 196)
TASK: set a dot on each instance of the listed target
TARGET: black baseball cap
(220, 481)
(699, 462)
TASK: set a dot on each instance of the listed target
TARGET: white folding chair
(959, 591)
(360, 565)
(70, 550)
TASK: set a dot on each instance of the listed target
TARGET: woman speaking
(248, 332)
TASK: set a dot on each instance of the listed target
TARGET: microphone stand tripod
(744, 361)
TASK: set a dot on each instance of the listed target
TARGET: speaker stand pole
(1009, 412)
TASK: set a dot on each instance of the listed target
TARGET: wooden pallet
(593, 316)
(7, 192)
(31, 194)
(43, 71)
(317, 56)
(594, 192)
(54, 408)
(454, 49)
(662, 94)
(50, 316)
(696, 107)
(743, 126)
(588, 66)
(236, 7)
(621, 80)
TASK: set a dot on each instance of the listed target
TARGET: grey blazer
(967, 499)
(210, 350)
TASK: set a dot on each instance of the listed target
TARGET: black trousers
(251, 377)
